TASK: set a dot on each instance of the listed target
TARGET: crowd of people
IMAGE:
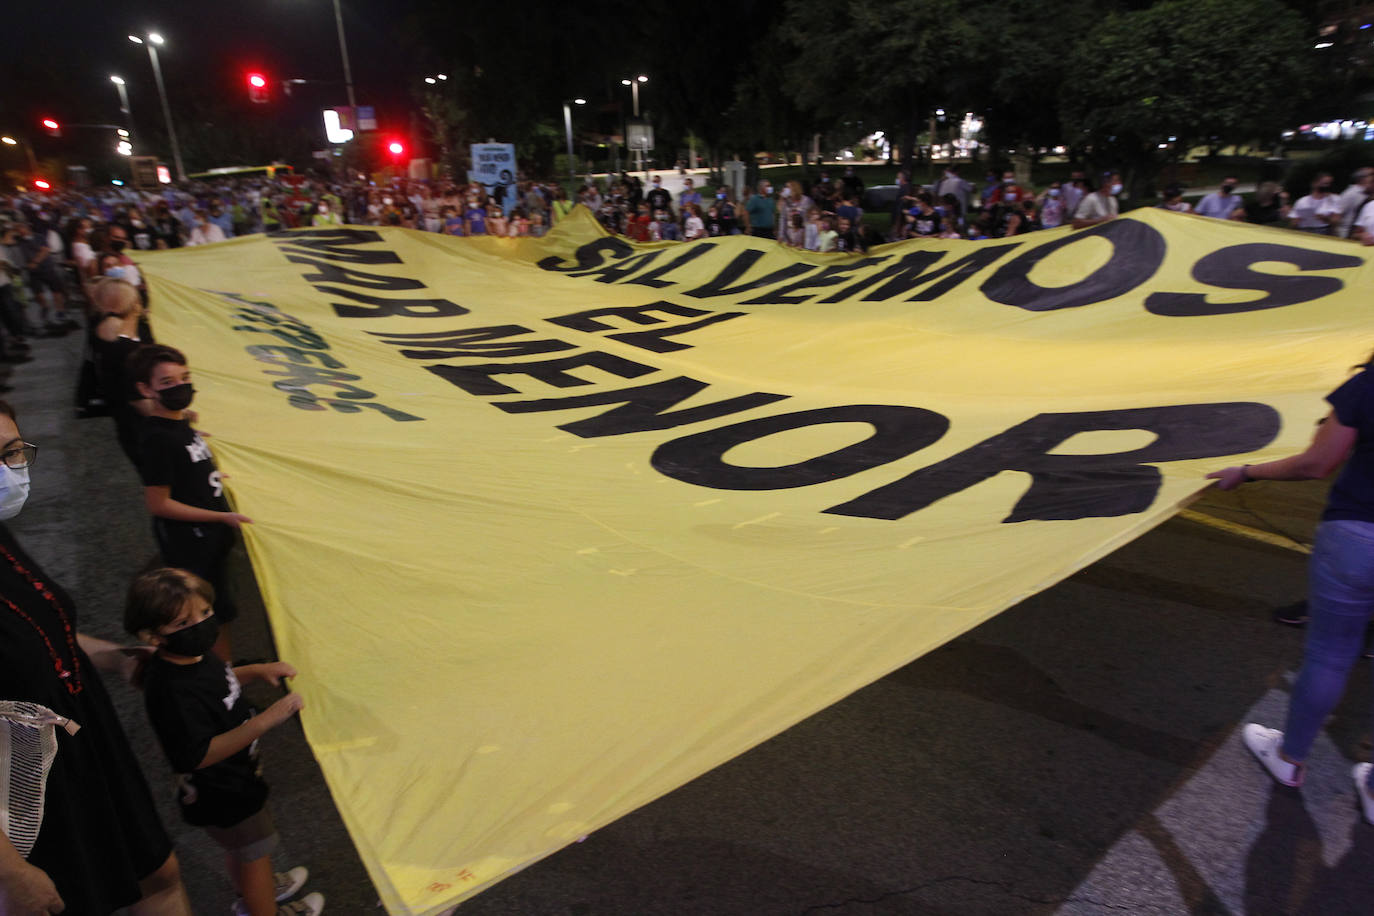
(68, 265)
(100, 844)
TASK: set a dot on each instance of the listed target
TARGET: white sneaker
(1264, 743)
(1361, 776)
(312, 904)
(288, 883)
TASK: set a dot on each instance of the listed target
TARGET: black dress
(110, 357)
(100, 832)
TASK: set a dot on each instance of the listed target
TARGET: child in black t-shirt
(183, 489)
(210, 735)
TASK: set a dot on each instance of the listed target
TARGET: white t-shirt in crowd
(204, 235)
(1309, 210)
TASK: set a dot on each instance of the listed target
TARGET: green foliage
(447, 119)
(1025, 54)
(1191, 69)
(880, 61)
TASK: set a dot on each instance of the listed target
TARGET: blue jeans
(1340, 602)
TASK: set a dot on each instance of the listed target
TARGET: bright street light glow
(155, 38)
(117, 80)
(122, 132)
(624, 82)
(335, 132)
(579, 101)
(642, 79)
(9, 141)
(135, 39)
(1322, 44)
(124, 149)
(431, 80)
(442, 76)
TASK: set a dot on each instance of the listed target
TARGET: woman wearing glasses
(1340, 597)
(87, 837)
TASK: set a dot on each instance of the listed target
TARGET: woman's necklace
(70, 677)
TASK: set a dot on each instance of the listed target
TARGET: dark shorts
(249, 839)
(202, 548)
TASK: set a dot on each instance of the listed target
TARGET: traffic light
(52, 127)
(257, 88)
(42, 184)
(396, 148)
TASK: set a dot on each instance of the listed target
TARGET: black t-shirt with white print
(175, 456)
(188, 706)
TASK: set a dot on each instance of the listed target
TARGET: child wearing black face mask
(210, 734)
(182, 487)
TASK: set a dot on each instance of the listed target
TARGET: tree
(1143, 86)
(1025, 51)
(886, 62)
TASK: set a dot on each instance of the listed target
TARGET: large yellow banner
(551, 527)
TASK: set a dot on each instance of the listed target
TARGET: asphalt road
(1077, 754)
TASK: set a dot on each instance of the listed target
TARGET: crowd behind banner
(67, 263)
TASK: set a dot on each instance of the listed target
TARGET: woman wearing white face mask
(94, 843)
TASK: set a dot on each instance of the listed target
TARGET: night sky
(56, 58)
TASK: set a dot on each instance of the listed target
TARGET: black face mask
(178, 397)
(1227, 188)
(117, 244)
(193, 641)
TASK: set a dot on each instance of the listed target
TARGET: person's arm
(271, 672)
(227, 744)
(1296, 212)
(160, 503)
(112, 658)
(25, 889)
(1330, 446)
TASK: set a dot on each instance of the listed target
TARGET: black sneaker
(1292, 615)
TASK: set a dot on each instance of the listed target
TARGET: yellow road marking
(1245, 531)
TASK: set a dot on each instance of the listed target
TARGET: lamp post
(567, 129)
(634, 89)
(343, 52)
(634, 94)
(28, 150)
(124, 105)
(154, 39)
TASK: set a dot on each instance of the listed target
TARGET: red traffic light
(396, 147)
(257, 88)
(42, 184)
(52, 127)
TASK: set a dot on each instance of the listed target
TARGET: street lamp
(634, 93)
(634, 89)
(124, 104)
(567, 127)
(343, 52)
(154, 39)
(28, 150)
